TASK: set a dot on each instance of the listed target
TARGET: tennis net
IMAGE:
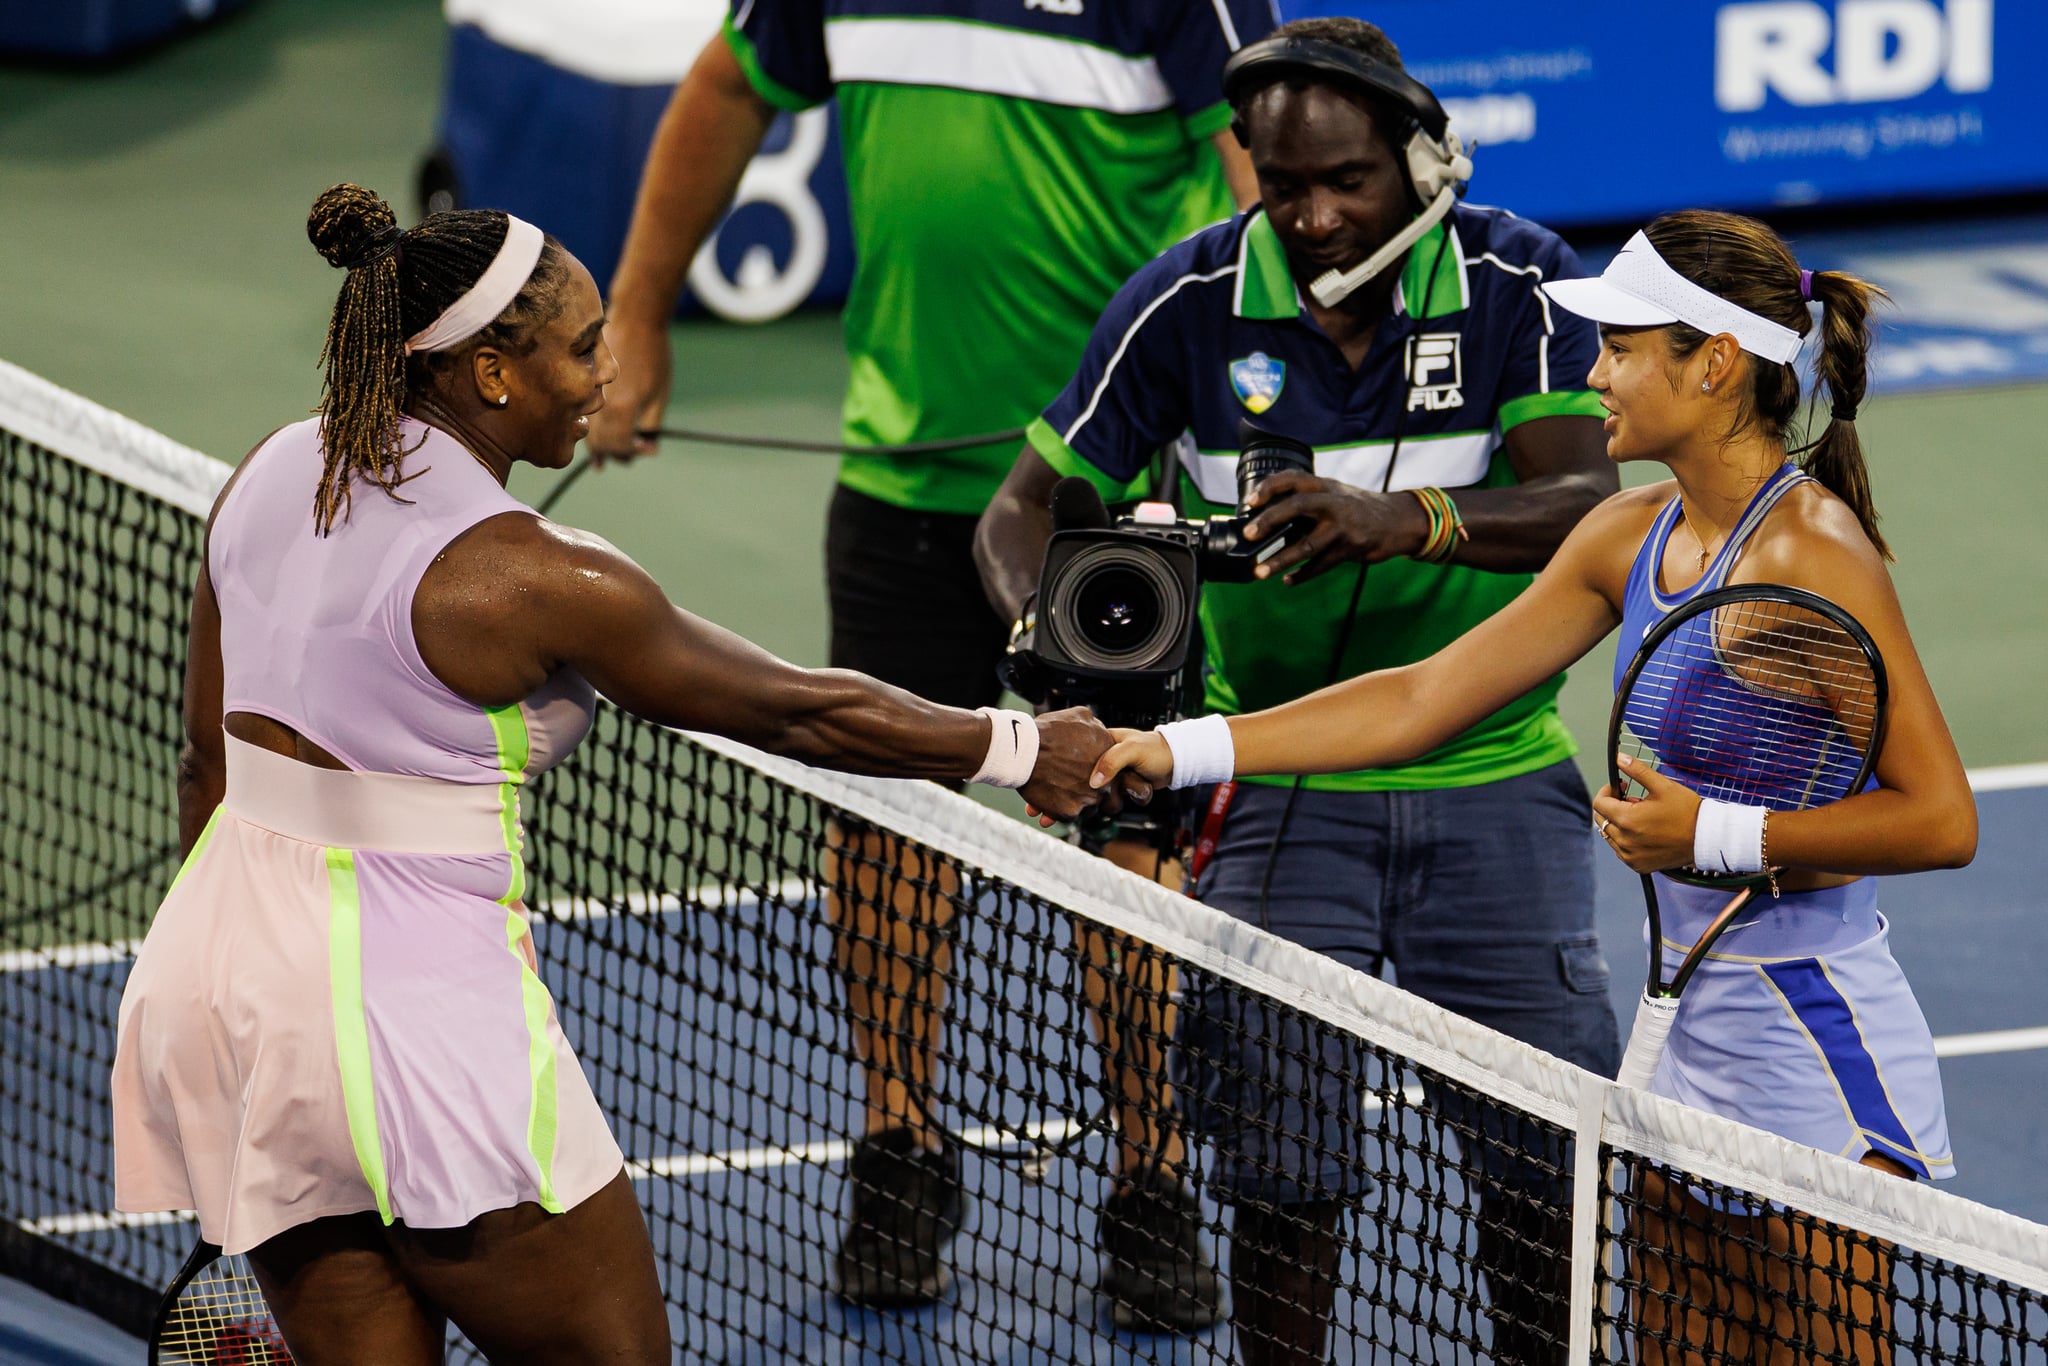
(699, 910)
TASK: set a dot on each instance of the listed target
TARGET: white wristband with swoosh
(1012, 749)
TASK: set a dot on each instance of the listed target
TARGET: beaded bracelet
(1446, 527)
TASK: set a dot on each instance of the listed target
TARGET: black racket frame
(1744, 885)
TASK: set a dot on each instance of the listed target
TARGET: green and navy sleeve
(780, 44)
(1192, 41)
(1129, 398)
(1552, 349)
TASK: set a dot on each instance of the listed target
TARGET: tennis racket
(1757, 694)
(214, 1315)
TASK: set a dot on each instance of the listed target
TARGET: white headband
(1639, 290)
(498, 286)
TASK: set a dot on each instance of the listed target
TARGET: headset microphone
(1436, 162)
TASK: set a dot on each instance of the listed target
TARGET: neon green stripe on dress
(351, 1025)
(508, 725)
(540, 1061)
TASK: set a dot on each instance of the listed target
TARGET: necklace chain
(1698, 539)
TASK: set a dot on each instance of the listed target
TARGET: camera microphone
(1077, 506)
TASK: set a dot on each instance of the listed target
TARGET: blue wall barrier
(1585, 112)
(1601, 111)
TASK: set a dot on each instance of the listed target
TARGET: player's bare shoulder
(1603, 544)
(1812, 540)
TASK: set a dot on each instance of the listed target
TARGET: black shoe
(907, 1203)
(1154, 1271)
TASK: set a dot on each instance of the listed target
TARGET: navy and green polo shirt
(1009, 163)
(1214, 329)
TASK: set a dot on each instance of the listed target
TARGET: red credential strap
(1212, 830)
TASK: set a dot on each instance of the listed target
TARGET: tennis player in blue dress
(1799, 1022)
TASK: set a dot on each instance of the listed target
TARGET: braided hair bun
(350, 225)
(397, 284)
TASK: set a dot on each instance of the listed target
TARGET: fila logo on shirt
(1068, 7)
(1436, 371)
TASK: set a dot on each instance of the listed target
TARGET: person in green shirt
(1455, 446)
(1008, 165)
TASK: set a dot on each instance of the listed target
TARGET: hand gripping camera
(1114, 625)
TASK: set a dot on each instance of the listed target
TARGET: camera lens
(1116, 609)
(1117, 606)
(1263, 454)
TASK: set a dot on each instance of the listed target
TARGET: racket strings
(221, 1319)
(1759, 702)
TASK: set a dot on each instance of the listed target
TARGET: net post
(1586, 1146)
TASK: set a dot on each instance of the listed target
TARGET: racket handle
(1654, 1015)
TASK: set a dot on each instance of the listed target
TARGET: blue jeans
(1482, 900)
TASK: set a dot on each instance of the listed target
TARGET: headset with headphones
(1436, 161)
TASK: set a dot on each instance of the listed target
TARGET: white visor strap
(1639, 272)
(494, 290)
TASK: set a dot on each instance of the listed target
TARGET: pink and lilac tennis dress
(336, 1008)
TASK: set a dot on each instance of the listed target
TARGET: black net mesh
(1110, 1121)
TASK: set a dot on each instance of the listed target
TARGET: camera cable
(1343, 642)
(779, 443)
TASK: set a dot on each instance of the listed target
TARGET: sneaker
(1154, 1271)
(907, 1205)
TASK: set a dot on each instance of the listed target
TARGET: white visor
(493, 291)
(1639, 290)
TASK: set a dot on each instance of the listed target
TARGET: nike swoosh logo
(1016, 736)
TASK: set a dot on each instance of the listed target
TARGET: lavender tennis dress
(336, 1008)
(1799, 1021)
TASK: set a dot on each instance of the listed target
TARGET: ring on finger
(1604, 823)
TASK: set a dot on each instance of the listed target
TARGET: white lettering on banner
(1492, 120)
(758, 291)
(1883, 50)
(1055, 6)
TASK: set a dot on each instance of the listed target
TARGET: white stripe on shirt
(1123, 344)
(993, 61)
(1448, 462)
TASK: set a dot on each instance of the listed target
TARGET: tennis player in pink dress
(334, 1044)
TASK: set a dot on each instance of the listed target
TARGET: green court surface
(154, 213)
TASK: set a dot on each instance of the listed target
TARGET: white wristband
(1202, 751)
(1012, 749)
(1728, 838)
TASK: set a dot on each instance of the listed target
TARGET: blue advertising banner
(1601, 111)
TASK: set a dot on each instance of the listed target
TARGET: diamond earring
(504, 399)
(1705, 387)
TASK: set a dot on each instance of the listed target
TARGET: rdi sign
(1883, 50)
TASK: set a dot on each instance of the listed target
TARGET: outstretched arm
(518, 598)
(1395, 715)
(713, 126)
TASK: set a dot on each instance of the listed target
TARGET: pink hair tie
(1806, 285)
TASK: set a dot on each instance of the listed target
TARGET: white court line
(1991, 1041)
(826, 1153)
(794, 890)
(66, 1225)
(68, 956)
(2006, 777)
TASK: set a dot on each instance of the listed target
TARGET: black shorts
(906, 600)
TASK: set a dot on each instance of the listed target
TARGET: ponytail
(1744, 262)
(363, 394)
(1835, 457)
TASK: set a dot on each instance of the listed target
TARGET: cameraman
(1471, 869)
